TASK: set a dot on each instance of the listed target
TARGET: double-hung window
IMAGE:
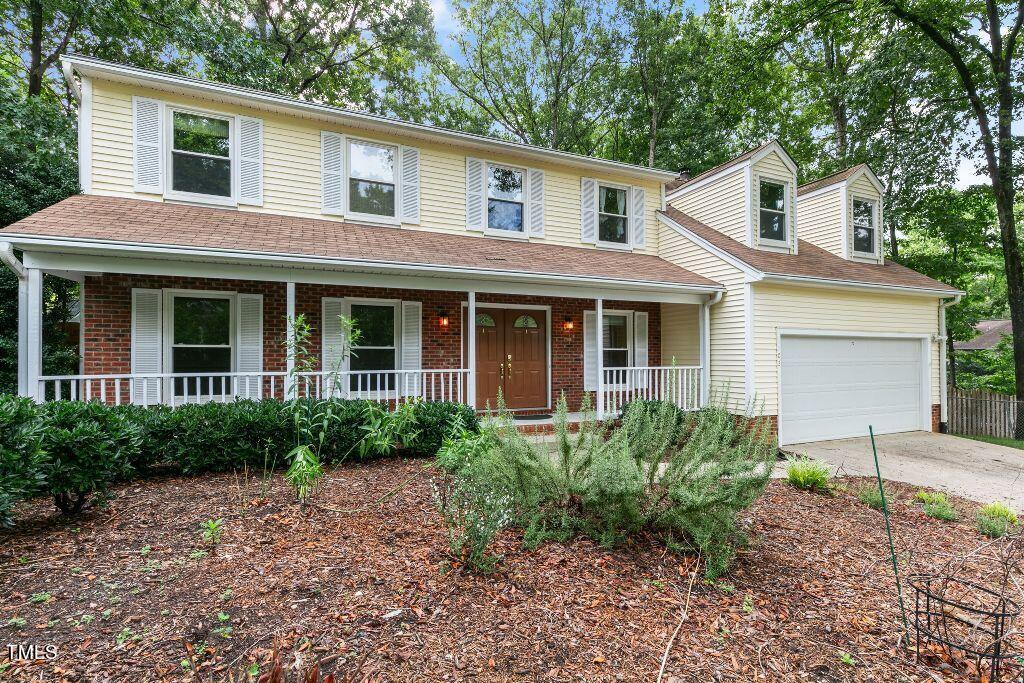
(201, 343)
(371, 178)
(375, 351)
(612, 215)
(615, 340)
(864, 229)
(504, 198)
(201, 155)
(772, 212)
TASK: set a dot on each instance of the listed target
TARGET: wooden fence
(982, 413)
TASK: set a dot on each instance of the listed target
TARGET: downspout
(705, 345)
(941, 339)
(11, 261)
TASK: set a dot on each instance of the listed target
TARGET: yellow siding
(819, 220)
(720, 204)
(291, 171)
(680, 334)
(862, 188)
(771, 167)
(790, 307)
(727, 317)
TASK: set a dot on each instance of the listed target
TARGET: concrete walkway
(972, 469)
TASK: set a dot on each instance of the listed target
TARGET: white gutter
(853, 284)
(142, 77)
(11, 261)
(943, 388)
(69, 76)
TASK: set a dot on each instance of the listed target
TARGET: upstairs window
(612, 215)
(504, 198)
(772, 216)
(371, 178)
(864, 229)
(200, 154)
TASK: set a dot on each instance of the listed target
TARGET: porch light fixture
(442, 319)
(568, 324)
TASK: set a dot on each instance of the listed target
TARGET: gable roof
(678, 183)
(840, 177)
(375, 123)
(990, 333)
(811, 262)
(111, 222)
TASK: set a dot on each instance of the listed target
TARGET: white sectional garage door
(833, 387)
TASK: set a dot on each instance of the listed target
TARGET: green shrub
(473, 514)
(936, 505)
(22, 459)
(807, 474)
(89, 446)
(220, 437)
(434, 421)
(870, 496)
(683, 481)
(925, 497)
(995, 520)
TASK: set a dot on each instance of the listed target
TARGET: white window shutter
(590, 350)
(535, 194)
(249, 310)
(410, 211)
(333, 340)
(638, 217)
(147, 344)
(476, 194)
(250, 161)
(412, 347)
(147, 122)
(640, 357)
(332, 172)
(588, 210)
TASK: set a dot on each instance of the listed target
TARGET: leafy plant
(40, 597)
(473, 514)
(995, 520)
(22, 459)
(870, 495)
(807, 474)
(211, 531)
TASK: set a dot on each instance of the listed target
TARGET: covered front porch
(158, 332)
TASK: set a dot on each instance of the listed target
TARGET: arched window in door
(525, 321)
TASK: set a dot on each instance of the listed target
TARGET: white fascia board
(752, 273)
(821, 190)
(88, 66)
(801, 280)
(51, 251)
(727, 171)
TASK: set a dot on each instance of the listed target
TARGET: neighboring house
(990, 333)
(209, 213)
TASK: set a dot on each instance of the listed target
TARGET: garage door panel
(834, 387)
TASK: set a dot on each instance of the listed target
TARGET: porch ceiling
(111, 226)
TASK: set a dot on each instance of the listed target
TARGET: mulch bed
(369, 591)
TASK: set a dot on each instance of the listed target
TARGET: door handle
(509, 360)
(501, 367)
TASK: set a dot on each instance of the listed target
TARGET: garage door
(834, 387)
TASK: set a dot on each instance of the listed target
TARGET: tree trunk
(950, 360)
(893, 242)
(652, 138)
(35, 49)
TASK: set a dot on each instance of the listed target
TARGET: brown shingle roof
(829, 179)
(679, 182)
(156, 223)
(990, 333)
(811, 261)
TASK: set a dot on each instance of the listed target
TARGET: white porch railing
(680, 385)
(179, 388)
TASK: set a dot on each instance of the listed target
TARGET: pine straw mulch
(370, 593)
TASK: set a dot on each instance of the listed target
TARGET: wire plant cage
(969, 618)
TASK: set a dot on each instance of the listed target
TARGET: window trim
(347, 161)
(396, 305)
(786, 213)
(167, 343)
(628, 189)
(874, 227)
(494, 232)
(198, 197)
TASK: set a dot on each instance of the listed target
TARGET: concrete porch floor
(972, 469)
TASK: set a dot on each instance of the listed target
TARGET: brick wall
(107, 320)
(936, 417)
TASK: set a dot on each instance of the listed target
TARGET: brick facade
(107, 320)
(936, 418)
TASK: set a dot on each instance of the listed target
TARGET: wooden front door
(511, 356)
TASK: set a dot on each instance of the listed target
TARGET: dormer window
(772, 217)
(864, 228)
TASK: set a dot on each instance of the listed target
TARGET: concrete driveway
(972, 469)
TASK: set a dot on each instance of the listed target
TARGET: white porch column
(599, 352)
(289, 361)
(31, 343)
(470, 331)
(23, 385)
(705, 353)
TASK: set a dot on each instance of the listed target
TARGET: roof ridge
(724, 165)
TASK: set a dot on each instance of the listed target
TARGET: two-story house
(210, 215)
